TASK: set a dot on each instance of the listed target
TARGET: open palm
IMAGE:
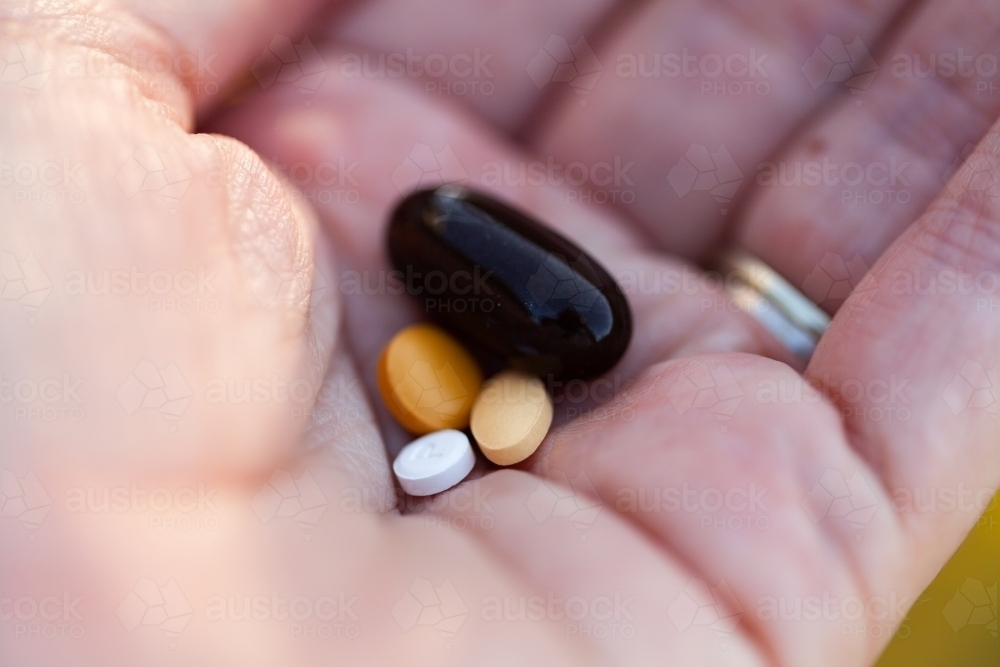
(193, 402)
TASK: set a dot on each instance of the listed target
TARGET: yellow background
(925, 638)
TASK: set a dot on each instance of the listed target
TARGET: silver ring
(760, 291)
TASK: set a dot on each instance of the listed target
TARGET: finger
(716, 457)
(935, 436)
(169, 262)
(491, 59)
(211, 44)
(827, 208)
(234, 548)
(341, 436)
(666, 105)
(372, 131)
(627, 616)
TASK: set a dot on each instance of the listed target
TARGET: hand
(274, 310)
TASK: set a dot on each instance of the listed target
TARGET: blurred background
(954, 622)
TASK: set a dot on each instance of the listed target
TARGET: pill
(428, 381)
(434, 463)
(504, 282)
(511, 417)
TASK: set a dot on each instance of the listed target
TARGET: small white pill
(434, 463)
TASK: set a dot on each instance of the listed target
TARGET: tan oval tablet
(511, 417)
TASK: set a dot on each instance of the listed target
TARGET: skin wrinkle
(358, 449)
(750, 634)
(932, 241)
(799, 28)
(954, 84)
(462, 542)
(267, 235)
(509, 478)
(908, 124)
(269, 231)
(369, 27)
(661, 377)
(965, 234)
(895, 113)
(542, 111)
(245, 39)
(325, 318)
(620, 122)
(108, 33)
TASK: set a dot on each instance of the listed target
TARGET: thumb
(213, 42)
(86, 106)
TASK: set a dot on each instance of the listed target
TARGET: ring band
(760, 291)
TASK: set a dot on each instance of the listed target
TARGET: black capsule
(508, 284)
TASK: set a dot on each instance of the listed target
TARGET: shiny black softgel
(504, 282)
